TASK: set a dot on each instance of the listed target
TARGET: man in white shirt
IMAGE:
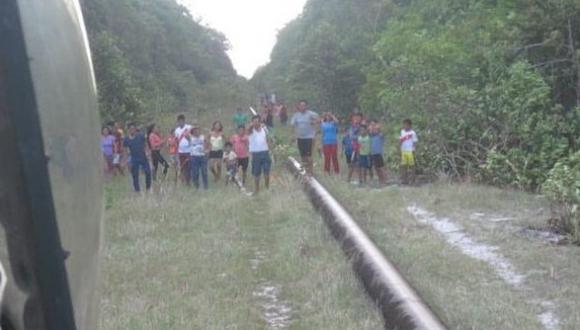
(408, 140)
(260, 150)
(183, 136)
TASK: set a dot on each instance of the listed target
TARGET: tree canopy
(151, 56)
(492, 86)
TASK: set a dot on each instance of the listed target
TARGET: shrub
(563, 189)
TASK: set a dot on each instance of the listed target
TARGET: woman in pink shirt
(156, 143)
(241, 146)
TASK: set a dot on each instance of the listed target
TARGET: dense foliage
(150, 56)
(563, 188)
(492, 86)
(321, 55)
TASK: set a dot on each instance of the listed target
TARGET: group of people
(363, 144)
(195, 154)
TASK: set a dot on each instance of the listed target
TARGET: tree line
(152, 57)
(492, 85)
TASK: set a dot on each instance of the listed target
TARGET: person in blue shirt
(377, 149)
(329, 129)
(136, 146)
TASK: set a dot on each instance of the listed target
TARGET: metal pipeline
(401, 306)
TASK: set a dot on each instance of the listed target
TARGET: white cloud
(251, 26)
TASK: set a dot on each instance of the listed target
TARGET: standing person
(119, 129)
(199, 149)
(156, 143)
(329, 129)
(241, 146)
(364, 162)
(304, 122)
(118, 167)
(172, 148)
(377, 150)
(269, 118)
(260, 150)
(408, 140)
(108, 148)
(136, 145)
(283, 115)
(353, 133)
(370, 123)
(216, 153)
(348, 150)
(240, 118)
(183, 135)
(231, 162)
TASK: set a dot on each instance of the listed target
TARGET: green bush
(563, 189)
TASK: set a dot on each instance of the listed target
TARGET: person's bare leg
(267, 181)
(219, 170)
(310, 165)
(212, 169)
(360, 175)
(404, 179)
(381, 175)
(305, 164)
(351, 170)
(256, 185)
(349, 175)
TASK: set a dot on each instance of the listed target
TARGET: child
(118, 152)
(364, 140)
(370, 124)
(231, 162)
(353, 132)
(377, 147)
(408, 140)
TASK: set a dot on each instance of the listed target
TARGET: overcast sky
(251, 26)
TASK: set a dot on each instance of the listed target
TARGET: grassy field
(177, 259)
(472, 289)
(220, 260)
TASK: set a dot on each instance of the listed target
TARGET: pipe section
(401, 306)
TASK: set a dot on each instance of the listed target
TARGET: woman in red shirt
(241, 146)
(156, 143)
